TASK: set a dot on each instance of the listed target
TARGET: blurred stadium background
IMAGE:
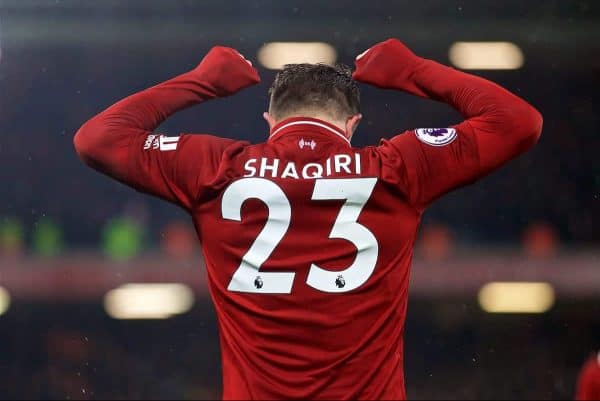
(505, 290)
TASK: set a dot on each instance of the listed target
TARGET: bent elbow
(528, 127)
(83, 141)
(88, 140)
(534, 124)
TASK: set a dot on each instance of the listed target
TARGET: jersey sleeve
(588, 382)
(120, 142)
(429, 162)
(498, 126)
(175, 168)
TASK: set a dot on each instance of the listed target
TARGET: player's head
(315, 90)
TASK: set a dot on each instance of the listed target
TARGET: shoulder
(211, 142)
(428, 136)
(390, 148)
(209, 138)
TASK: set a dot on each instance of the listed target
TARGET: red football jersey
(307, 240)
(588, 383)
(308, 244)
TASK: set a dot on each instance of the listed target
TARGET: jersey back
(308, 244)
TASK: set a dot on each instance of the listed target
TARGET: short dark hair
(298, 87)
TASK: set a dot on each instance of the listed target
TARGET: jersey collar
(303, 124)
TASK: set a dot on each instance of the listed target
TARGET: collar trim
(308, 122)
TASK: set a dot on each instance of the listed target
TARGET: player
(588, 383)
(307, 240)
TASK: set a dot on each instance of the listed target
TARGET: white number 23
(249, 278)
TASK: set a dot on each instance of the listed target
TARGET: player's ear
(269, 119)
(352, 123)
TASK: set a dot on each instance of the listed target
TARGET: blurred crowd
(83, 356)
(452, 352)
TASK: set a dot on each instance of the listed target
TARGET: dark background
(453, 351)
(61, 62)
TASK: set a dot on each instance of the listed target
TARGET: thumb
(360, 62)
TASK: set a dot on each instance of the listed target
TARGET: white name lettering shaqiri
(274, 168)
(290, 171)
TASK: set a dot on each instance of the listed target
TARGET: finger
(243, 57)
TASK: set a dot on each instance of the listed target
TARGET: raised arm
(119, 142)
(498, 125)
